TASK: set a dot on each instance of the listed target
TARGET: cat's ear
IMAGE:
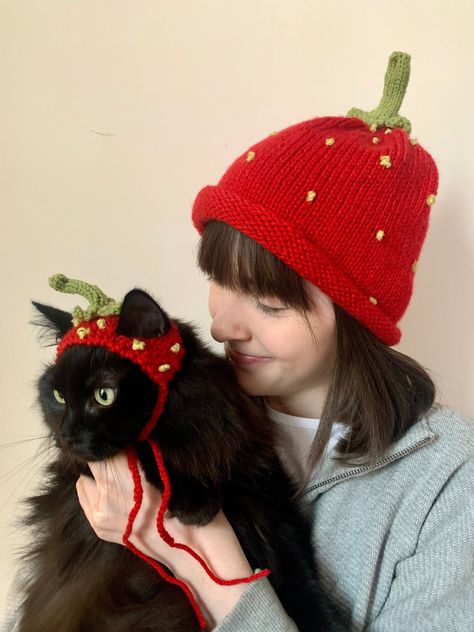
(141, 316)
(54, 322)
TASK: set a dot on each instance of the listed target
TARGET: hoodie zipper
(369, 468)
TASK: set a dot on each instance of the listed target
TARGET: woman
(311, 240)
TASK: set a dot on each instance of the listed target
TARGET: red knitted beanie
(343, 201)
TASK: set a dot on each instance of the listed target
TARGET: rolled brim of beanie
(305, 257)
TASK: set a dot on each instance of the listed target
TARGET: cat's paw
(198, 516)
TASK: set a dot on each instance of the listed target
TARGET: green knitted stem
(99, 303)
(395, 85)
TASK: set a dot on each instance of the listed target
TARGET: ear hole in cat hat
(160, 358)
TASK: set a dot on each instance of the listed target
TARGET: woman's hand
(107, 500)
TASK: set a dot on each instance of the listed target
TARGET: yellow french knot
(138, 345)
(164, 367)
(380, 235)
(373, 300)
(431, 199)
(250, 156)
(176, 347)
(330, 142)
(310, 196)
(101, 324)
(385, 161)
(82, 332)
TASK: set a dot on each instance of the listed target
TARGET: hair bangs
(236, 261)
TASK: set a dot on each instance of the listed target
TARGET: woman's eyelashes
(275, 309)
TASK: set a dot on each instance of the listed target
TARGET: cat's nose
(65, 440)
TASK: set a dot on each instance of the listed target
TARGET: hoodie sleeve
(258, 610)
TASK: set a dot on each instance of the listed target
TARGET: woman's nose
(228, 322)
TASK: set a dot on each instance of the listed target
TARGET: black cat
(219, 451)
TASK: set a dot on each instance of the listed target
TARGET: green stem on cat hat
(99, 303)
(395, 85)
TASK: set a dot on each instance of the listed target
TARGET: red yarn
(165, 535)
(320, 196)
(151, 354)
(159, 568)
(170, 540)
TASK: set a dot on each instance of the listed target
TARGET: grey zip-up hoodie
(394, 541)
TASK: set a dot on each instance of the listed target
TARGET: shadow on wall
(439, 329)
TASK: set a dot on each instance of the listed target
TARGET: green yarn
(99, 303)
(395, 85)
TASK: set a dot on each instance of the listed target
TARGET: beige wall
(113, 114)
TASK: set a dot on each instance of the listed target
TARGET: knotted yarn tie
(159, 568)
(166, 536)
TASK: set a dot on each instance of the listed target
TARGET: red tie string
(165, 535)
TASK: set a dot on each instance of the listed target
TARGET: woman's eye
(271, 309)
(105, 396)
(58, 397)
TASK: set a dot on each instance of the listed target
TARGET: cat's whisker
(12, 444)
(106, 465)
(19, 466)
(119, 483)
(33, 463)
(42, 459)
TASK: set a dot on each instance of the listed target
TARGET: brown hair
(377, 392)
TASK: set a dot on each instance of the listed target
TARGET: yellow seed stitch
(380, 235)
(385, 161)
(163, 368)
(82, 332)
(250, 156)
(376, 140)
(431, 199)
(373, 300)
(101, 324)
(388, 130)
(176, 347)
(373, 127)
(330, 142)
(414, 265)
(138, 345)
(310, 196)
(414, 141)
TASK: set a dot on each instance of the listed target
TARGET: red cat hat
(160, 358)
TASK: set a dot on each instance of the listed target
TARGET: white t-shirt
(297, 435)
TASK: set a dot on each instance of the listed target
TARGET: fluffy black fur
(218, 447)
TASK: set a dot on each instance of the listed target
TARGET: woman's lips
(242, 359)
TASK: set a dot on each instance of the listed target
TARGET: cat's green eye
(58, 397)
(105, 396)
